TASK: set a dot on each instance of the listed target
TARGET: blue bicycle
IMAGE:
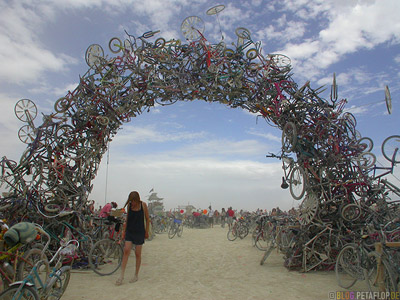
(34, 286)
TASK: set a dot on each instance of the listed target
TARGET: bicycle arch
(64, 153)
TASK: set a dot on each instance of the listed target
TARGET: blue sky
(196, 152)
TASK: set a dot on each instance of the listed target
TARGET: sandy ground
(204, 265)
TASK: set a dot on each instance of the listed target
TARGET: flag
(151, 190)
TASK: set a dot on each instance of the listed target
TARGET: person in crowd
(135, 231)
(231, 215)
(223, 217)
(106, 213)
(210, 217)
(106, 210)
(196, 218)
(216, 216)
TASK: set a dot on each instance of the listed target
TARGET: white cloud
(242, 184)
(20, 48)
(137, 135)
(352, 25)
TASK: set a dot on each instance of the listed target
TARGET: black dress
(135, 226)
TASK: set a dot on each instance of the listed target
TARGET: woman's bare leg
(138, 254)
(127, 251)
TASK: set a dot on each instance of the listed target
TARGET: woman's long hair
(133, 197)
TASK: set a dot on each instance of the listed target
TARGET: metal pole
(108, 160)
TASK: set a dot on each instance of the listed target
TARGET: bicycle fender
(22, 283)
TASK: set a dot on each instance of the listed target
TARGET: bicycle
(34, 286)
(105, 257)
(176, 228)
(354, 263)
(294, 174)
(280, 237)
(238, 229)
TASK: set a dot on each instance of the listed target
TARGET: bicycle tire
(344, 276)
(388, 100)
(231, 235)
(26, 134)
(252, 54)
(242, 231)
(366, 160)
(289, 137)
(192, 27)
(372, 275)
(93, 54)
(171, 232)
(180, 230)
(243, 33)
(297, 182)
(61, 105)
(389, 145)
(366, 144)
(263, 240)
(26, 292)
(30, 258)
(115, 45)
(58, 283)
(280, 60)
(105, 257)
(159, 43)
(308, 208)
(25, 110)
(351, 212)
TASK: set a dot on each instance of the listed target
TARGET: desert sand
(204, 265)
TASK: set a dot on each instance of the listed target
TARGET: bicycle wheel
(297, 182)
(180, 230)
(351, 212)
(26, 293)
(263, 240)
(289, 137)
(29, 260)
(280, 60)
(61, 105)
(252, 54)
(58, 283)
(93, 54)
(308, 209)
(159, 43)
(115, 45)
(26, 134)
(346, 266)
(25, 110)
(243, 231)
(366, 144)
(192, 27)
(232, 234)
(172, 231)
(243, 33)
(105, 257)
(384, 279)
(366, 160)
(215, 9)
(388, 100)
(389, 147)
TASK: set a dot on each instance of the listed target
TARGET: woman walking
(135, 231)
